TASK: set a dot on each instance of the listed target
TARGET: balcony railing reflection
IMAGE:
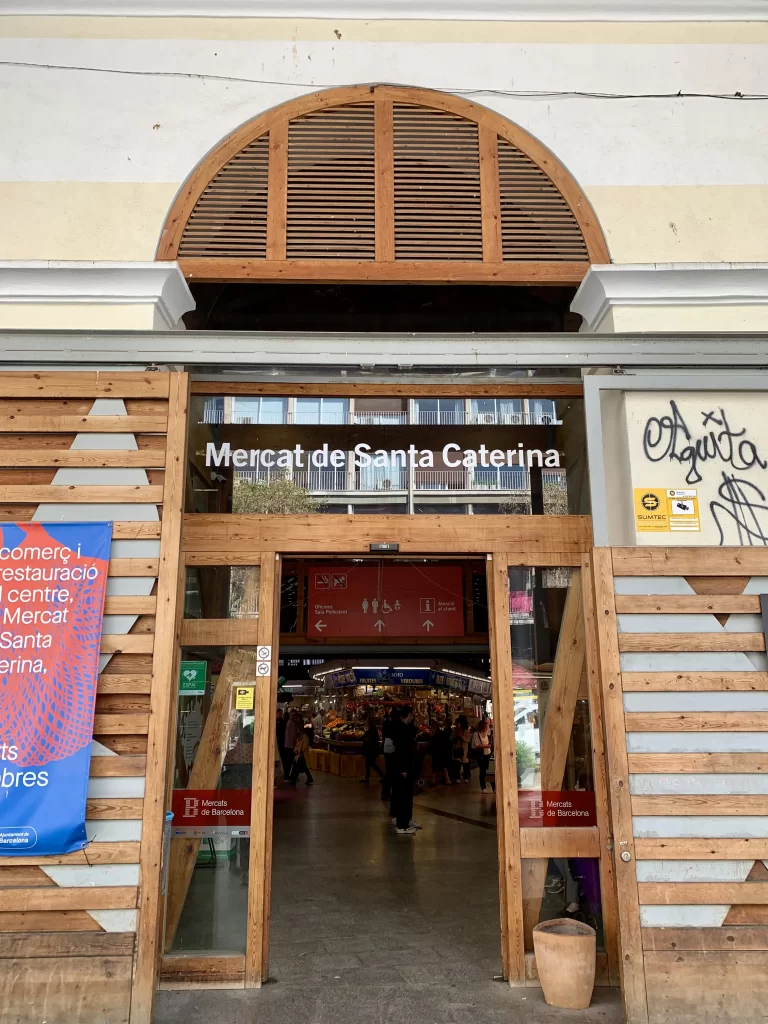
(366, 480)
(214, 416)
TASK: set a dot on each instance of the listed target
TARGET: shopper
(292, 730)
(460, 750)
(403, 777)
(300, 755)
(388, 746)
(371, 750)
(317, 724)
(441, 755)
(481, 749)
(286, 756)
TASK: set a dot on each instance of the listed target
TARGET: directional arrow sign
(379, 625)
(320, 626)
(428, 625)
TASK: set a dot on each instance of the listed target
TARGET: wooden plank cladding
(67, 940)
(691, 642)
(684, 562)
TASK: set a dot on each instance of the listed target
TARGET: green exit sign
(192, 678)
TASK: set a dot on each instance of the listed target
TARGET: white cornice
(395, 10)
(668, 284)
(65, 283)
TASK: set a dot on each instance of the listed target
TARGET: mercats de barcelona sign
(453, 455)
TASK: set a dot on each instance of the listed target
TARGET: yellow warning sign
(683, 507)
(651, 510)
(244, 697)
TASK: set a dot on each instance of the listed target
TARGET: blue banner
(52, 589)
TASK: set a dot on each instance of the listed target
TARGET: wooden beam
(84, 384)
(219, 632)
(83, 424)
(95, 853)
(653, 561)
(145, 458)
(277, 197)
(127, 643)
(239, 663)
(695, 682)
(65, 493)
(688, 604)
(384, 177)
(507, 818)
(133, 567)
(525, 272)
(670, 894)
(600, 772)
(260, 865)
(628, 906)
(705, 938)
(701, 849)
(697, 721)
(490, 201)
(202, 970)
(116, 897)
(701, 804)
(538, 539)
(690, 642)
(66, 944)
(352, 388)
(721, 763)
(559, 842)
(163, 697)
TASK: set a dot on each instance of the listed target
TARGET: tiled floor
(370, 927)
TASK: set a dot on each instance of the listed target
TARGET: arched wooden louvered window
(382, 184)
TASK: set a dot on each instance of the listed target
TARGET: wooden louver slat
(437, 186)
(230, 217)
(331, 186)
(536, 221)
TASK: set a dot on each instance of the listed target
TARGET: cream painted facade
(111, 114)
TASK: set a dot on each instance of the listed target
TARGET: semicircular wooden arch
(374, 183)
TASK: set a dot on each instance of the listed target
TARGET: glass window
(542, 411)
(443, 411)
(561, 887)
(222, 592)
(503, 411)
(327, 410)
(265, 409)
(206, 879)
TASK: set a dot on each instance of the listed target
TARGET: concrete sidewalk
(378, 999)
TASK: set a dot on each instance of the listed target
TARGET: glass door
(552, 808)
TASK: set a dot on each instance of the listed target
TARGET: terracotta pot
(565, 960)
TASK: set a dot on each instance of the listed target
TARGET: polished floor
(370, 927)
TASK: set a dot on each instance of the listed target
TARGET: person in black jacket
(387, 732)
(403, 775)
(371, 750)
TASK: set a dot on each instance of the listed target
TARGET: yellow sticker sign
(651, 510)
(683, 507)
(244, 698)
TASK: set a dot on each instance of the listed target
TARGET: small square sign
(263, 668)
(264, 652)
(244, 697)
(192, 678)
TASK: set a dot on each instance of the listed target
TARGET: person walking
(280, 737)
(371, 750)
(441, 756)
(291, 735)
(461, 767)
(388, 746)
(403, 777)
(300, 754)
(481, 749)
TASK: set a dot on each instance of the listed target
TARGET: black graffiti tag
(668, 437)
(742, 504)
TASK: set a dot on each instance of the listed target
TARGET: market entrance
(384, 844)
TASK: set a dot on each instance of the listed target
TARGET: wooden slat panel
(701, 721)
(489, 194)
(84, 384)
(135, 724)
(48, 921)
(643, 604)
(81, 495)
(652, 561)
(701, 804)
(95, 853)
(69, 944)
(219, 631)
(133, 567)
(695, 682)
(130, 605)
(113, 808)
(87, 458)
(671, 894)
(117, 897)
(22, 875)
(202, 969)
(127, 643)
(83, 424)
(705, 938)
(118, 767)
(750, 764)
(539, 843)
(701, 849)
(385, 182)
(136, 531)
(518, 389)
(277, 193)
(124, 684)
(712, 986)
(691, 642)
(121, 702)
(85, 989)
